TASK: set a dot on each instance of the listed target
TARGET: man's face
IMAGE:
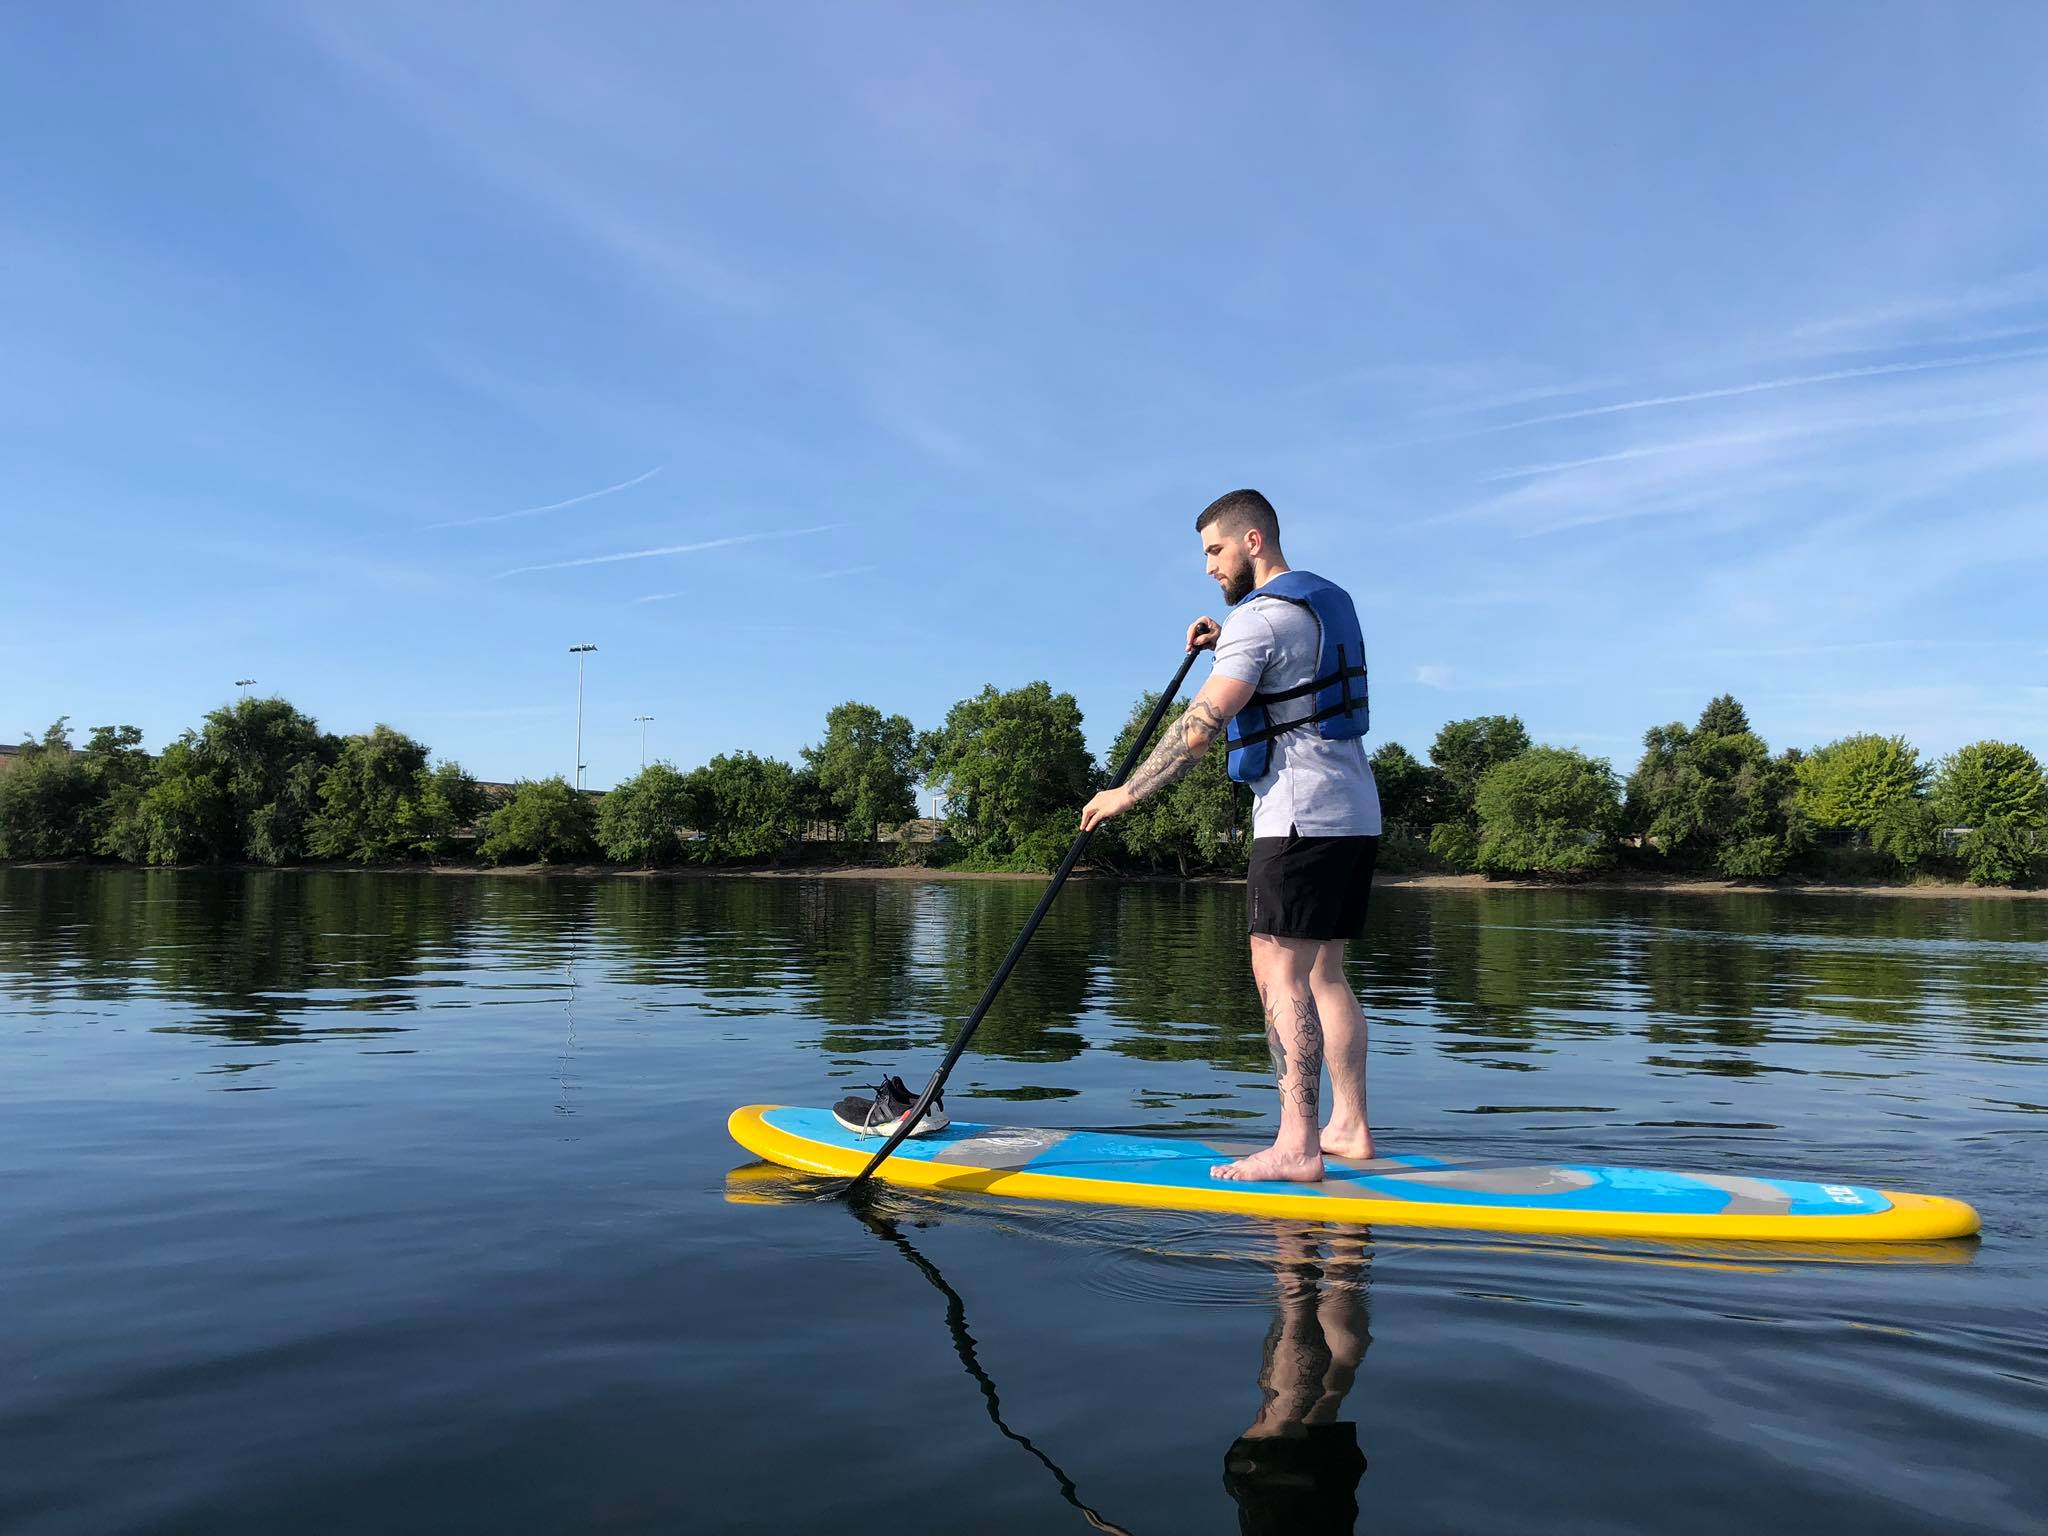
(1229, 557)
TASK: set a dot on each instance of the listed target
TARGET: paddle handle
(931, 1090)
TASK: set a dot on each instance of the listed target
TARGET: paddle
(931, 1090)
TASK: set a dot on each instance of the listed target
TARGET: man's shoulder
(1246, 621)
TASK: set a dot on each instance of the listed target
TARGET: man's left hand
(1111, 802)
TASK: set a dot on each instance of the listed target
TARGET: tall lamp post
(642, 720)
(579, 652)
(245, 684)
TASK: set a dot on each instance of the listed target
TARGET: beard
(1236, 585)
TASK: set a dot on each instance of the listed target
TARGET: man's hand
(1111, 802)
(1203, 634)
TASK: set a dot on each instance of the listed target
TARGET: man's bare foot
(1289, 1167)
(1352, 1141)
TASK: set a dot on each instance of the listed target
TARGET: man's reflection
(1296, 1469)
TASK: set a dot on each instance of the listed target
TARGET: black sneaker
(880, 1114)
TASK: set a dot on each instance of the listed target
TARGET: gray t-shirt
(1312, 786)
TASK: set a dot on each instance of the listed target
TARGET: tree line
(260, 782)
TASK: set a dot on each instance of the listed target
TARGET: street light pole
(579, 652)
(643, 719)
(245, 684)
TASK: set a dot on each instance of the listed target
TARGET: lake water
(351, 1202)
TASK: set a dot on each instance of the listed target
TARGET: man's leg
(1294, 1034)
(1347, 1134)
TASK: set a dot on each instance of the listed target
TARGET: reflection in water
(276, 1278)
(1296, 1468)
(1502, 980)
(863, 1204)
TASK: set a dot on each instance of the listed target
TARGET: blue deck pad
(1175, 1162)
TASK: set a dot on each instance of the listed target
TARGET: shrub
(639, 822)
(544, 820)
(1548, 811)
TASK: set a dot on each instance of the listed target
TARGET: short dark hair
(1239, 511)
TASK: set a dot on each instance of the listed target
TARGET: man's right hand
(1203, 634)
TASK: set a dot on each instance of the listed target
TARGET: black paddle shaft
(931, 1089)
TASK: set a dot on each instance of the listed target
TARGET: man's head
(1238, 531)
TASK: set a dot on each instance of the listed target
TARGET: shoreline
(1639, 882)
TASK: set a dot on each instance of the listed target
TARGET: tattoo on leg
(1276, 1048)
(1308, 1068)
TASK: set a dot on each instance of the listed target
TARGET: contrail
(1873, 371)
(668, 549)
(553, 506)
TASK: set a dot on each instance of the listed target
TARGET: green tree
(444, 800)
(1908, 830)
(1015, 770)
(1716, 799)
(363, 797)
(1455, 845)
(1201, 821)
(1991, 781)
(266, 762)
(121, 774)
(639, 821)
(1998, 851)
(46, 797)
(1723, 716)
(1411, 791)
(184, 816)
(746, 807)
(1548, 811)
(1859, 781)
(1463, 753)
(543, 820)
(1996, 789)
(864, 767)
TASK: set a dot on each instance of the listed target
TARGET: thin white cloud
(848, 570)
(1433, 675)
(508, 712)
(2009, 292)
(553, 506)
(1847, 647)
(668, 549)
(1797, 381)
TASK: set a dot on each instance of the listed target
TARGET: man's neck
(1264, 570)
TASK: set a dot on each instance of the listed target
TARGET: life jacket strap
(1268, 732)
(1314, 685)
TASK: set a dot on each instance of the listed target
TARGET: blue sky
(1614, 356)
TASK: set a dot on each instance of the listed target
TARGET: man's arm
(1179, 749)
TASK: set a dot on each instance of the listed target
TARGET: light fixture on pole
(245, 684)
(642, 720)
(579, 652)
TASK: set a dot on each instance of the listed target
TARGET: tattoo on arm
(1179, 749)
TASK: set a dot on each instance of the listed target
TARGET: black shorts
(1310, 887)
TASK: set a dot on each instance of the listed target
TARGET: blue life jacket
(1341, 707)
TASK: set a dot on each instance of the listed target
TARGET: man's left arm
(1178, 751)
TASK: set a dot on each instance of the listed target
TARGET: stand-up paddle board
(1500, 1195)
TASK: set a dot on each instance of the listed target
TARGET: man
(1290, 685)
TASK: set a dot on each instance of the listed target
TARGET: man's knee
(1286, 963)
